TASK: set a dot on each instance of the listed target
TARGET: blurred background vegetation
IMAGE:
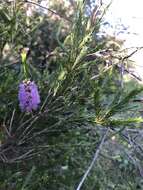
(89, 98)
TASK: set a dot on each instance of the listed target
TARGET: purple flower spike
(28, 96)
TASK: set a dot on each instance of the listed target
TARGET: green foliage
(52, 147)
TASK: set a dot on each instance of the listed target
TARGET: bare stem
(11, 121)
(93, 161)
(50, 10)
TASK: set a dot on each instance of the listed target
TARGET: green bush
(81, 98)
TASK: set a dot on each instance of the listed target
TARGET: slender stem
(93, 161)
(23, 59)
(11, 121)
(50, 10)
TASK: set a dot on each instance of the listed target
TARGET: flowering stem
(25, 67)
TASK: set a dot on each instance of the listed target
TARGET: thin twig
(107, 55)
(93, 161)
(27, 131)
(6, 130)
(11, 121)
(132, 53)
(50, 10)
(130, 73)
